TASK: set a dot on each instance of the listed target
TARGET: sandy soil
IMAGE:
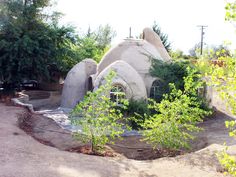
(23, 156)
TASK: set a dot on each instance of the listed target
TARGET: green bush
(176, 115)
(169, 72)
(96, 114)
(136, 111)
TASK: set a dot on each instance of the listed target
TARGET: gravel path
(22, 156)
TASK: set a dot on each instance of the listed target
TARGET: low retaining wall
(33, 103)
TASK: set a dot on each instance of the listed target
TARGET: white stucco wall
(127, 77)
(134, 52)
(150, 36)
(76, 83)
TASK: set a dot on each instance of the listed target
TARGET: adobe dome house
(130, 60)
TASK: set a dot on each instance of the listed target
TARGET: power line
(202, 34)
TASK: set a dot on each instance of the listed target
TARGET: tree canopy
(31, 41)
(33, 45)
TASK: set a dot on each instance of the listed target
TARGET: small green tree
(176, 115)
(96, 114)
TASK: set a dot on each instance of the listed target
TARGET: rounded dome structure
(150, 36)
(136, 53)
(127, 78)
(76, 83)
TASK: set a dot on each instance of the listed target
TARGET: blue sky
(177, 18)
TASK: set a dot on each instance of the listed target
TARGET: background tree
(104, 35)
(164, 37)
(195, 51)
(31, 41)
(219, 51)
(179, 55)
(94, 44)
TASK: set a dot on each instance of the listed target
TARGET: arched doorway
(90, 84)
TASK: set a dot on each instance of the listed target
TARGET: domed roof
(127, 77)
(137, 53)
(150, 36)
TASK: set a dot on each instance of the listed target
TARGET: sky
(177, 18)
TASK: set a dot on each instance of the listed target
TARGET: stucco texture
(76, 83)
(131, 59)
(127, 77)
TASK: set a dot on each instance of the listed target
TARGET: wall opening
(155, 91)
(90, 84)
(117, 93)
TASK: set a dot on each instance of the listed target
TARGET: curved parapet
(127, 77)
(136, 53)
(150, 36)
(77, 82)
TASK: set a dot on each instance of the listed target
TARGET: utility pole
(130, 35)
(202, 34)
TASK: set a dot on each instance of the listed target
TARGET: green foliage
(228, 162)
(217, 52)
(173, 72)
(230, 14)
(179, 55)
(31, 42)
(96, 114)
(103, 36)
(195, 51)
(136, 111)
(176, 115)
(222, 76)
(88, 48)
(95, 43)
(164, 37)
(213, 52)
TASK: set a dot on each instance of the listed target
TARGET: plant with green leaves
(222, 77)
(94, 44)
(98, 117)
(176, 115)
(169, 72)
(32, 44)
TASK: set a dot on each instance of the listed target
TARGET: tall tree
(104, 35)
(164, 37)
(31, 41)
(94, 44)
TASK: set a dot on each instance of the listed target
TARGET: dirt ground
(48, 132)
(23, 156)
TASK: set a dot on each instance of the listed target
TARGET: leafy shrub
(228, 162)
(96, 114)
(172, 72)
(136, 111)
(176, 115)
